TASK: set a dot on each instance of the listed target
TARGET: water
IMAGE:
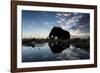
(53, 52)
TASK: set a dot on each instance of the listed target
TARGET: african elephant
(58, 47)
(59, 33)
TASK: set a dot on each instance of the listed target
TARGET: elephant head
(59, 33)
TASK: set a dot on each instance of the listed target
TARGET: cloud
(63, 14)
(79, 34)
(59, 21)
(66, 14)
(69, 23)
(77, 31)
(33, 22)
(62, 19)
(48, 24)
(77, 23)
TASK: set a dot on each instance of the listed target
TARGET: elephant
(59, 33)
(58, 47)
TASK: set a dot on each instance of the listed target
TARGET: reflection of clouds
(42, 52)
(73, 53)
(70, 53)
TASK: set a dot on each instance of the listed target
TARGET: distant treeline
(77, 42)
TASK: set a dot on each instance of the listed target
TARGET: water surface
(43, 52)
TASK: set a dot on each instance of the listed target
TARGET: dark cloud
(83, 23)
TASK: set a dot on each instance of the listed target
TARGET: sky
(38, 24)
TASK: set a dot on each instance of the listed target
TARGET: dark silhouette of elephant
(58, 47)
(59, 33)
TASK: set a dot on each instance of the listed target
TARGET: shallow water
(43, 52)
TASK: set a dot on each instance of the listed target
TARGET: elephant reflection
(58, 47)
(59, 33)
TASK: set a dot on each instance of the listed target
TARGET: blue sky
(38, 24)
